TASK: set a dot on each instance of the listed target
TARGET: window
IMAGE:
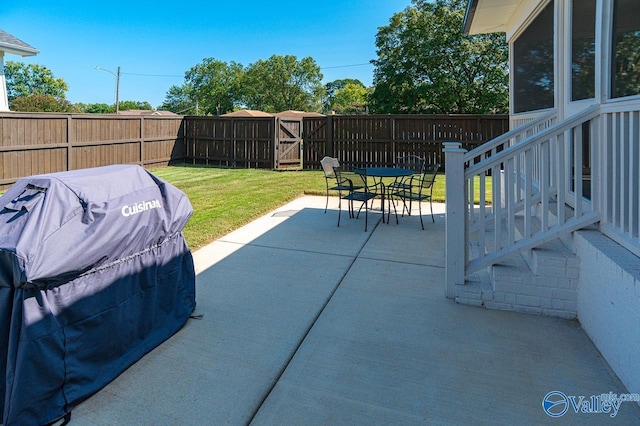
(533, 81)
(625, 73)
(583, 49)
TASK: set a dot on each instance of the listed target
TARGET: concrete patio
(307, 323)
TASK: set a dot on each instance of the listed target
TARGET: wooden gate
(289, 143)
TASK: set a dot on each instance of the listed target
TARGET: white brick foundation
(545, 282)
(609, 303)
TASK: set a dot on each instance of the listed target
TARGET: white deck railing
(619, 182)
(518, 196)
(510, 138)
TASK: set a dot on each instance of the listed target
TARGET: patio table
(379, 174)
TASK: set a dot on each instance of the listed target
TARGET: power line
(346, 66)
(152, 75)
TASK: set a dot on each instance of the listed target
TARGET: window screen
(625, 75)
(583, 49)
(533, 80)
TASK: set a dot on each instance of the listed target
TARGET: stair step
(536, 275)
(551, 258)
(542, 281)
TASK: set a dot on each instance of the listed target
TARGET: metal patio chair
(329, 167)
(411, 162)
(416, 165)
(361, 194)
(419, 188)
(347, 190)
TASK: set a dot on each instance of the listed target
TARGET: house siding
(609, 303)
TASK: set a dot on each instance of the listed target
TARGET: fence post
(141, 152)
(71, 138)
(455, 217)
(276, 143)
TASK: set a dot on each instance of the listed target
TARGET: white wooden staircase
(541, 280)
(519, 207)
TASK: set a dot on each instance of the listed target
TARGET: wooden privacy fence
(247, 142)
(378, 140)
(372, 140)
(36, 143)
(40, 143)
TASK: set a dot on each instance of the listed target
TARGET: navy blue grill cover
(94, 274)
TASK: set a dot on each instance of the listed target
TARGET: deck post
(455, 217)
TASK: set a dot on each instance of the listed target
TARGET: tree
(331, 87)
(42, 103)
(96, 108)
(135, 105)
(178, 100)
(214, 85)
(281, 83)
(426, 65)
(110, 109)
(350, 99)
(23, 80)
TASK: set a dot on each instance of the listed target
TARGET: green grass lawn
(225, 199)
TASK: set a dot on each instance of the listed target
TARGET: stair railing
(505, 184)
(511, 138)
(619, 182)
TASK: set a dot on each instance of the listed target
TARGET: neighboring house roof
(256, 113)
(247, 113)
(14, 45)
(146, 112)
(488, 16)
(296, 114)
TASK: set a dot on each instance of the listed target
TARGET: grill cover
(94, 274)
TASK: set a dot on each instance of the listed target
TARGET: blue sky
(155, 42)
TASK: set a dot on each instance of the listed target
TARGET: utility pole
(117, 76)
(118, 92)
